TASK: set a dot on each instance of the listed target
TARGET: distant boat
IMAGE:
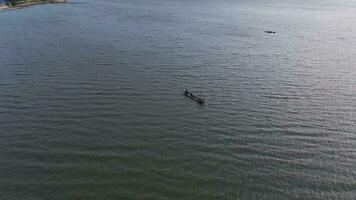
(270, 32)
(193, 97)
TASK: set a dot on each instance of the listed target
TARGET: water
(91, 103)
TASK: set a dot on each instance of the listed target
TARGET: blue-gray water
(91, 103)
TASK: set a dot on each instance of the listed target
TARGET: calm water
(91, 103)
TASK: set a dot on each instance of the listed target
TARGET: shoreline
(29, 3)
(3, 7)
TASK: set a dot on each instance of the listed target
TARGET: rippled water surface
(91, 103)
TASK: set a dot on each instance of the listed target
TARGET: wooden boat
(193, 97)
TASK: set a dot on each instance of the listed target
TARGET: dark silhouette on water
(272, 32)
(193, 97)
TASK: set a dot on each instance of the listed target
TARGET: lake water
(91, 103)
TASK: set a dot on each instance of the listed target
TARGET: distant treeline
(11, 3)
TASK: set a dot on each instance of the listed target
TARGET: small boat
(273, 32)
(193, 97)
